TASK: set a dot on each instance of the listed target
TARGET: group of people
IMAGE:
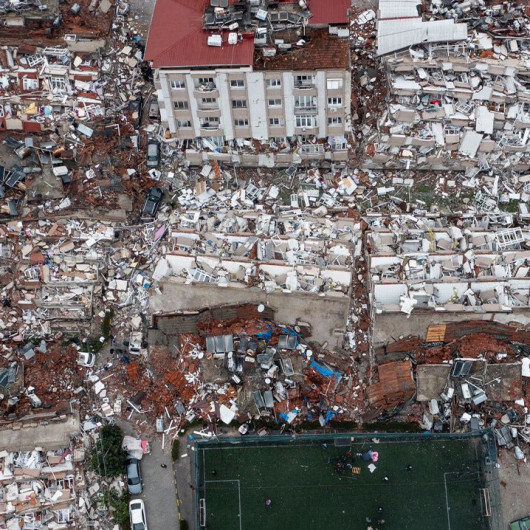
(343, 464)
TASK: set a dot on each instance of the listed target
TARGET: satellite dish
(261, 308)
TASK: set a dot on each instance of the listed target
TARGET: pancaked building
(458, 93)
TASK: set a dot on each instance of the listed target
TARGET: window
(211, 122)
(274, 122)
(208, 103)
(274, 83)
(58, 85)
(335, 120)
(239, 104)
(241, 123)
(334, 102)
(334, 84)
(237, 83)
(183, 123)
(180, 105)
(306, 121)
(205, 84)
(304, 102)
(304, 81)
(29, 84)
(275, 102)
(177, 85)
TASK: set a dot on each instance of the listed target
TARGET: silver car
(134, 479)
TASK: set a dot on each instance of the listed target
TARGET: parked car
(153, 109)
(86, 359)
(137, 515)
(134, 478)
(152, 202)
(153, 153)
(135, 343)
(521, 524)
(136, 108)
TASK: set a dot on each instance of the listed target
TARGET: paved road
(183, 468)
(159, 493)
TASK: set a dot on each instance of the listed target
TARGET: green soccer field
(432, 484)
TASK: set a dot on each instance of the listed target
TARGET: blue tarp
(324, 371)
(266, 336)
(289, 332)
(329, 415)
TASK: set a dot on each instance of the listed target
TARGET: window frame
(335, 101)
(177, 105)
(333, 121)
(239, 103)
(244, 124)
(274, 82)
(330, 83)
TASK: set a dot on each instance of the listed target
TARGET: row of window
(300, 81)
(299, 102)
(301, 121)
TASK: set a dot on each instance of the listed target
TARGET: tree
(119, 505)
(108, 457)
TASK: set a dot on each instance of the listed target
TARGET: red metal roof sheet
(328, 11)
(177, 38)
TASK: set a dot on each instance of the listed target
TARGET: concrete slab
(49, 435)
(389, 327)
(431, 380)
(326, 314)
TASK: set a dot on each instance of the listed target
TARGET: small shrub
(106, 325)
(175, 450)
(119, 505)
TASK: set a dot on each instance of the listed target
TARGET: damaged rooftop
(257, 220)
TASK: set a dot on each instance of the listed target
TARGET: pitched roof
(328, 11)
(321, 51)
(177, 38)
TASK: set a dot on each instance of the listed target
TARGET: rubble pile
(458, 105)
(465, 264)
(465, 376)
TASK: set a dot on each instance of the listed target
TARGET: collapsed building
(458, 91)
(437, 270)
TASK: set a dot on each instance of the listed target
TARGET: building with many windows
(277, 72)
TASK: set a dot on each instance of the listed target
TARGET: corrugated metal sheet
(393, 35)
(401, 9)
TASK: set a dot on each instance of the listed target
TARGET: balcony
(208, 106)
(311, 109)
(200, 90)
(205, 87)
(210, 125)
(303, 85)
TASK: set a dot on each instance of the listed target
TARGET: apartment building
(253, 70)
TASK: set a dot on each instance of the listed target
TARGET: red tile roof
(177, 39)
(328, 11)
(321, 51)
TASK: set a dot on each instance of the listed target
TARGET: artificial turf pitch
(441, 491)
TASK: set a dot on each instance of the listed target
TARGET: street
(159, 489)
